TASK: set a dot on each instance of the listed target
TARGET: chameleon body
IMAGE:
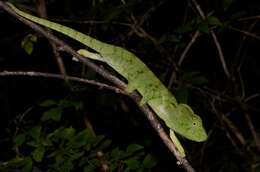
(178, 117)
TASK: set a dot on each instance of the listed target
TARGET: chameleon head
(191, 124)
(181, 119)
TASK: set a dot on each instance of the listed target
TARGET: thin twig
(193, 39)
(183, 55)
(226, 98)
(228, 126)
(252, 130)
(257, 17)
(17, 128)
(233, 129)
(246, 33)
(137, 24)
(58, 76)
(220, 52)
(145, 109)
(43, 13)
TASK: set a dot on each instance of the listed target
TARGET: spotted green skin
(178, 117)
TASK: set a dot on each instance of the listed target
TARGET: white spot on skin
(162, 109)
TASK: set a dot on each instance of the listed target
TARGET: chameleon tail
(72, 33)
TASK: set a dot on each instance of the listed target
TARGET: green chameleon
(178, 117)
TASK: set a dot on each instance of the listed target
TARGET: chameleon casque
(178, 117)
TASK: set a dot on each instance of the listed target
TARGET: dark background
(168, 26)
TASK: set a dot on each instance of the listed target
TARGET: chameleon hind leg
(131, 86)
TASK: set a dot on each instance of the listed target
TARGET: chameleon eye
(194, 123)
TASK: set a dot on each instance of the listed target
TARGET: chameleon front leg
(96, 56)
(131, 86)
(88, 54)
(177, 143)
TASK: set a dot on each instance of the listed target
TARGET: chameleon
(178, 117)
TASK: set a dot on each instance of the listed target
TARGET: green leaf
(46, 141)
(203, 27)
(28, 47)
(19, 139)
(105, 144)
(55, 136)
(69, 103)
(214, 21)
(76, 155)
(195, 78)
(93, 164)
(199, 80)
(167, 38)
(184, 29)
(149, 162)
(38, 153)
(132, 164)
(80, 139)
(14, 163)
(89, 168)
(28, 166)
(52, 114)
(227, 3)
(95, 140)
(34, 143)
(68, 133)
(33, 38)
(27, 43)
(47, 103)
(133, 148)
(67, 166)
(117, 153)
(35, 132)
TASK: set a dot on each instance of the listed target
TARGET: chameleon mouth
(197, 135)
(201, 137)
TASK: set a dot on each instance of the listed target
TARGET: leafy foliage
(64, 149)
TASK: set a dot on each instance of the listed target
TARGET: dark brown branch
(253, 131)
(145, 109)
(58, 76)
